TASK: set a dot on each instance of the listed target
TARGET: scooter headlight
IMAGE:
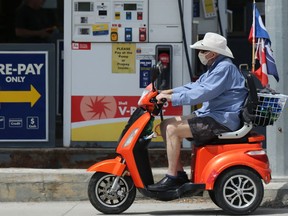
(130, 137)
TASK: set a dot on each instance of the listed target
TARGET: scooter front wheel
(239, 191)
(109, 201)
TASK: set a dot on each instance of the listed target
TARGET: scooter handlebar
(158, 106)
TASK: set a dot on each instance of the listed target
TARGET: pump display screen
(84, 6)
(130, 7)
(102, 13)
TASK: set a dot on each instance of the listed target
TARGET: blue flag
(264, 52)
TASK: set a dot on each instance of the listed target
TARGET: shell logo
(98, 107)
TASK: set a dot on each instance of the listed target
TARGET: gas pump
(107, 43)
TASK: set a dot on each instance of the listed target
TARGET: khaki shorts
(205, 129)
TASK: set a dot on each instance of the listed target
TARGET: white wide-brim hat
(215, 43)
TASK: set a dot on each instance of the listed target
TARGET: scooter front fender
(113, 166)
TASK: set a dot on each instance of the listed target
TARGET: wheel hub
(110, 197)
(239, 191)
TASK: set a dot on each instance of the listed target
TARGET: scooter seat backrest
(251, 101)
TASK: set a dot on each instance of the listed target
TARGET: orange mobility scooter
(231, 169)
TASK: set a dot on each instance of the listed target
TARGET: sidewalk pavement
(38, 185)
(139, 208)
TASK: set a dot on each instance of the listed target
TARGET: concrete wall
(276, 18)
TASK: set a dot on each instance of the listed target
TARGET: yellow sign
(123, 58)
(209, 8)
(100, 29)
(31, 96)
(105, 134)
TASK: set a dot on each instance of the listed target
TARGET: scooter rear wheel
(239, 191)
(212, 197)
(107, 202)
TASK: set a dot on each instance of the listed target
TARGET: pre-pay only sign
(23, 96)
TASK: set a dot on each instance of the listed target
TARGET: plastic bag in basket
(269, 109)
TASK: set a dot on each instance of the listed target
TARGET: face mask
(202, 58)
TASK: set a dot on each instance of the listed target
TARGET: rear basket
(269, 108)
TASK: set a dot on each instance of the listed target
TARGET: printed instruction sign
(23, 96)
(209, 8)
(123, 58)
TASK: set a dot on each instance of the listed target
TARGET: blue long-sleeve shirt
(221, 90)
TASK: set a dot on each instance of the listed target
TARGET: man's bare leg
(173, 131)
(174, 136)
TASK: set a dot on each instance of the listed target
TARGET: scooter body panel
(127, 144)
(112, 166)
(212, 160)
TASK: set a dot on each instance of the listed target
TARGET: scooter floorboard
(189, 187)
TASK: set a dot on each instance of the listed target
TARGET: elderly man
(222, 91)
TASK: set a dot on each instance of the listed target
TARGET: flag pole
(253, 38)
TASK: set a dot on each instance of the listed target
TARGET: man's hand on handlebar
(164, 96)
(168, 91)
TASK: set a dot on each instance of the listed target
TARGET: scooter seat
(242, 132)
(231, 141)
(235, 137)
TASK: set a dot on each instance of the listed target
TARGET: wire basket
(269, 108)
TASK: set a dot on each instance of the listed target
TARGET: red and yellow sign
(102, 118)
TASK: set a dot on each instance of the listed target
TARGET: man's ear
(214, 55)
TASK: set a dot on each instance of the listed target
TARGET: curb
(40, 185)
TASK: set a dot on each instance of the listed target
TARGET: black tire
(212, 197)
(111, 203)
(239, 191)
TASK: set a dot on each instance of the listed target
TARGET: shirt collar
(215, 63)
